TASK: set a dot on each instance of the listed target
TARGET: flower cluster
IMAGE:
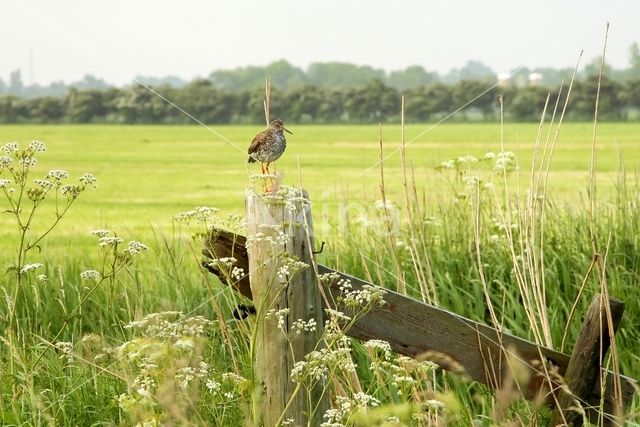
(91, 275)
(203, 215)
(301, 326)
(289, 268)
(171, 325)
(280, 315)
(317, 364)
(66, 351)
(30, 267)
(166, 357)
(134, 247)
(347, 406)
(366, 296)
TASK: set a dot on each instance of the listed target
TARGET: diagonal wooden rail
(456, 343)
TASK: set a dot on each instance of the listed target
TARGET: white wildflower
(71, 191)
(37, 146)
(202, 214)
(280, 315)
(212, 385)
(5, 161)
(449, 164)
(185, 344)
(100, 232)
(301, 326)
(66, 351)
(42, 278)
(28, 162)
(90, 275)
(363, 399)
(30, 267)
(237, 273)
(10, 147)
(467, 159)
(57, 174)
(379, 345)
(336, 315)
(4, 182)
(45, 184)
(88, 179)
(134, 248)
(110, 241)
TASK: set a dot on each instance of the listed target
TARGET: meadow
(146, 174)
(74, 357)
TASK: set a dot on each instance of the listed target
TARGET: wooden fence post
(280, 233)
(584, 365)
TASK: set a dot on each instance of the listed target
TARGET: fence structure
(413, 328)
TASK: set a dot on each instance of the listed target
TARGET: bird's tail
(251, 160)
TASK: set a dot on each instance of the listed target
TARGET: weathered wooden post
(284, 292)
(584, 365)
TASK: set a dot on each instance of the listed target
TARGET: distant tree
(611, 103)
(173, 81)
(46, 109)
(634, 62)
(332, 107)
(3, 87)
(282, 75)
(477, 94)
(411, 77)
(373, 102)
(138, 104)
(12, 109)
(525, 104)
(422, 103)
(472, 70)
(90, 82)
(84, 106)
(207, 103)
(303, 103)
(255, 105)
(341, 74)
(593, 68)
(632, 93)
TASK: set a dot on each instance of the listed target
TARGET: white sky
(118, 39)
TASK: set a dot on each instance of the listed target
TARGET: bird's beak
(287, 130)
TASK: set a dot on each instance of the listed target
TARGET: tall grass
(139, 334)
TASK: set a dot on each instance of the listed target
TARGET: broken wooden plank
(583, 368)
(413, 328)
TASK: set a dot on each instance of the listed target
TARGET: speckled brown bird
(268, 145)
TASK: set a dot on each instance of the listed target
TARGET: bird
(268, 145)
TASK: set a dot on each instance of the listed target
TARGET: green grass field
(70, 355)
(146, 174)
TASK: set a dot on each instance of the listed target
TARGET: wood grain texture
(279, 347)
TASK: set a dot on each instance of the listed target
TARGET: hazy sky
(118, 39)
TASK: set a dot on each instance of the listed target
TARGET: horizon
(52, 43)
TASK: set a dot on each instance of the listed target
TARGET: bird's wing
(257, 140)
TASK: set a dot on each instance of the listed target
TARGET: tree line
(371, 102)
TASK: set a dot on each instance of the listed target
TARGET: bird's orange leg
(268, 188)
